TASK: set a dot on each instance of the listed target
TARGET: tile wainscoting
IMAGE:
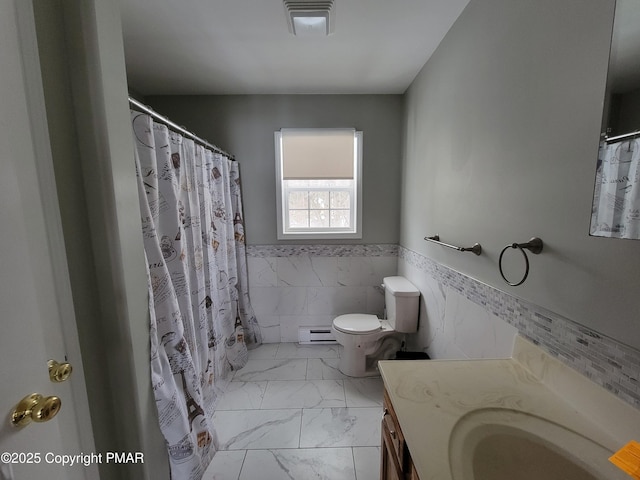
(298, 285)
(309, 285)
(462, 317)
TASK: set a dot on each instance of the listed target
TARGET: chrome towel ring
(534, 246)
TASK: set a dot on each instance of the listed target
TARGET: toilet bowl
(366, 338)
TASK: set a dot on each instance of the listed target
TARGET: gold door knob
(35, 408)
(59, 372)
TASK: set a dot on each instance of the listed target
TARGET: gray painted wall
(243, 125)
(501, 136)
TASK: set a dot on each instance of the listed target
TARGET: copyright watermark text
(84, 459)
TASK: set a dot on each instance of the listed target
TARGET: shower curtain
(616, 200)
(201, 320)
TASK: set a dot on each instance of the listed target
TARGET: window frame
(319, 233)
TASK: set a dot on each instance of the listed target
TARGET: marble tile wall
(461, 317)
(296, 285)
(309, 285)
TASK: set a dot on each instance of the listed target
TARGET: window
(318, 182)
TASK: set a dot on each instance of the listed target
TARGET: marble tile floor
(290, 414)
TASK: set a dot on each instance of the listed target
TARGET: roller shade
(317, 154)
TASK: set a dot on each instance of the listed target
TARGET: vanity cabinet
(395, 460)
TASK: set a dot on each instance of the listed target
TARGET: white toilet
(367, 339)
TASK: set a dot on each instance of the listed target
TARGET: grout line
(353, 459)
(300, 433)
(244, 458)
(303, 448)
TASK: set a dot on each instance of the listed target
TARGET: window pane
(324, 183)
(297, 183)
(342, 183)
(319, 218)
(318, 183)
(340, 200)
(341, 218)
(298, 218)
(318, 199)
(298, 200)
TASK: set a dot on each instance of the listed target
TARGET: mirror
(616, 199)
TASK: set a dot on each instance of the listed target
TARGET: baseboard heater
(315, 335)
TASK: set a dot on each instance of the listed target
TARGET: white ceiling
(189, 47)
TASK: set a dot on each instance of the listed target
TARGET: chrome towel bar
(477, 249)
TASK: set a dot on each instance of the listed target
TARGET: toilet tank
(402, 302)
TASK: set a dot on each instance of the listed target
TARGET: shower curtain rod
(622, 137)
(149, 111)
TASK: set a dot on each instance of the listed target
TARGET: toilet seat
(357, 323)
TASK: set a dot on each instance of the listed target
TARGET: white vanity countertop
(431, 396)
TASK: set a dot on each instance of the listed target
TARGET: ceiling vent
(310, 17)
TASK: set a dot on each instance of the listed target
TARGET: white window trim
(318, 233)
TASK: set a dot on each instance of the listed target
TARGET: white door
(36, 311)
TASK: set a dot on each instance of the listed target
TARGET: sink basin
(505, 444)
(524, 418)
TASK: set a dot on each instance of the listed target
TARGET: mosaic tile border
(607, 362)
(372, 250)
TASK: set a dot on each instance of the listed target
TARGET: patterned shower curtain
(201, 320)
(616, 199)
